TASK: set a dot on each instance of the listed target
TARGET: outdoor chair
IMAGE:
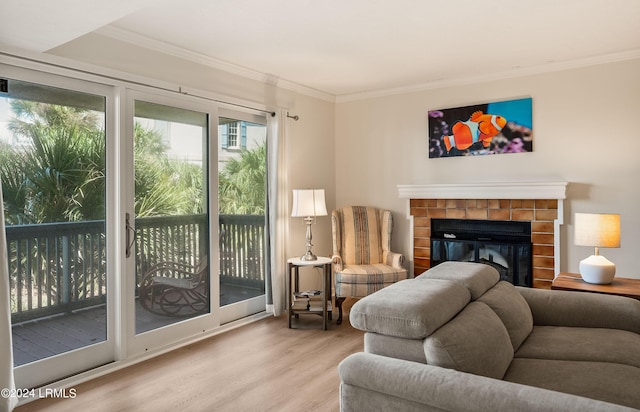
(175, 289)
(362, 261)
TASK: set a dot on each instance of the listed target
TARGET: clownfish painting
(479, 128)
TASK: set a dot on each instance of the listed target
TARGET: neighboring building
(236, 135)
(184, 140)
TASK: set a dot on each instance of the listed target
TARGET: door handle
(129, 230)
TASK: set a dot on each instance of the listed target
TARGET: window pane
(242, 200)
(52, 164)
(172, 237)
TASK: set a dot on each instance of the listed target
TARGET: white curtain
(7, 383)
(278, 211)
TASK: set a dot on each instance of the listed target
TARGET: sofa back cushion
(409, 309)
(477, 277)
(512, 309)
(476, 341)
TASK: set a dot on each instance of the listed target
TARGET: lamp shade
(308, 202)
(597, 229)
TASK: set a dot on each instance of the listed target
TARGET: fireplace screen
(505, 245)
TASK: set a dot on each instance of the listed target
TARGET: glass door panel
(53, 167)
(242, 166)
(171, 239)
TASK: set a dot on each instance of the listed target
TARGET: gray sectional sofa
(456, 338)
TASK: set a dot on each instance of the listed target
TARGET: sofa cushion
(476, 277)
(409, 309)
(512, 309)
(582, 344)
(475, 341)
(609, 382)
(362, 280)
(379, 383)
(394, 347)
(589, 310)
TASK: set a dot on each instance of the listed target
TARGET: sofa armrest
(582, 309)
(372, 382)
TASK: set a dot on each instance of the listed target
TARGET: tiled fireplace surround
(541, 203)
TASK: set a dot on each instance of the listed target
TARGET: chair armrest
(369, 381)
(337, 263)
(582, 309)
(393, 259)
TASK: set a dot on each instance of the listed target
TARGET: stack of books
(310, 300)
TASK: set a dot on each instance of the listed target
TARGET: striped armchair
(362, 261)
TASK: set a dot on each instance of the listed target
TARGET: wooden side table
(324, 310)
(620, 286)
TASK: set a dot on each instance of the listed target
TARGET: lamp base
(597, 269)
(308, 256)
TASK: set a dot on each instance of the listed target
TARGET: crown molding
(163, 47)
(507, 74)
(172, 50)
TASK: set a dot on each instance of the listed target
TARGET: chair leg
(339, 301)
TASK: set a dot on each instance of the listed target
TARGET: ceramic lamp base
(597, 269)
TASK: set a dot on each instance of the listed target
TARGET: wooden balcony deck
(57, 334)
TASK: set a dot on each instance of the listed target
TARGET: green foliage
(164, 186)
(57, 174)
(243, 182)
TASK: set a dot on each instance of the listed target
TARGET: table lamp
(308, 203)
(597, 230)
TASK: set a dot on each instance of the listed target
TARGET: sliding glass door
(242, 174)
(171, 239)
(195, 225)
(54, 167)
(131, 227)
(168, 236)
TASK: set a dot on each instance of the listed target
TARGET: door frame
(137, 344)
(251, 306)
(55, 367)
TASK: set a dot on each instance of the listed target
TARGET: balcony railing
(59, 267)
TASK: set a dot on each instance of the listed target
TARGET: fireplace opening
(505, 245)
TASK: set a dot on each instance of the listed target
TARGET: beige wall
(585, 133)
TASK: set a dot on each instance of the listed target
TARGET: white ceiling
(344, 47)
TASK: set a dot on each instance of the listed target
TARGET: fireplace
(540, 203)
(504, 245)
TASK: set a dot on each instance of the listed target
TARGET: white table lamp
(597, 230)
(308, 203)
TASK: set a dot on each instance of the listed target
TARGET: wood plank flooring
(263, 366)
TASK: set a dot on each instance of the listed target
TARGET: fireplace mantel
(499, 190)
(538, 202)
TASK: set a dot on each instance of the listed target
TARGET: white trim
(489, 77)
(85, 71)
(498, 190)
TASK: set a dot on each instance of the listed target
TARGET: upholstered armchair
(362, 261)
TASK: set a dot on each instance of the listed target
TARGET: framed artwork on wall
(482, 129)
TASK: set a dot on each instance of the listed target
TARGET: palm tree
(242, 183)
(58, 174)
(164, 186)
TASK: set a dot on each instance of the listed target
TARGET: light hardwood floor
(263, 366)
